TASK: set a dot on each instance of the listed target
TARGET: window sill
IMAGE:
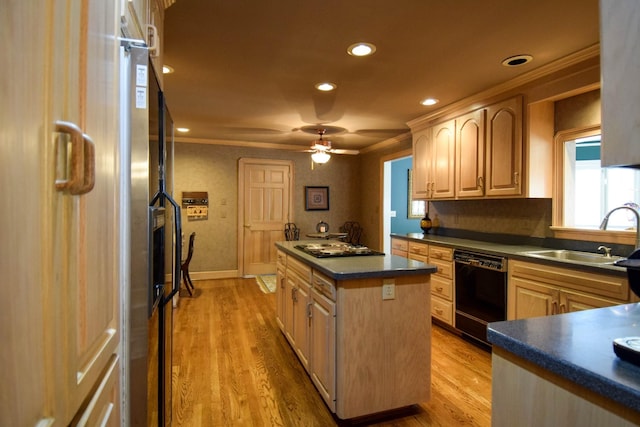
(593, 235)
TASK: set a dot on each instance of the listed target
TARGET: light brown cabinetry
(322, 363)
(443, 160)
(422, 180)
(418, 251)
(504, 148)
(399, 247)
(542, 290)
(442, 287)
(478, 154)
(144, 20)
(361, 356)
(470, 154)
(297, 308)
(60, 319)
(619, 32)
(281, 286)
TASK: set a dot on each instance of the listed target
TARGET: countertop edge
(405, 267)
(510, 251)
(606, 387)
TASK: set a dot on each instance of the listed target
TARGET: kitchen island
(562, 370)
(360, 325)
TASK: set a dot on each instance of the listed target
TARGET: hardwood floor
(233, 367)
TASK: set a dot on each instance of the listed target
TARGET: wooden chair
(353, 230)
(184, 268)
(291, 231)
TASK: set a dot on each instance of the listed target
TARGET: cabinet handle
(563, 308)
(89, 179)
(554, 307)
(152, 34)
(81, 170)
(439, 288)
(438, 311)
(480, 181)
(516, 178)
(294, 296)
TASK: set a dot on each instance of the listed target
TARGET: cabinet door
(422, 165)
(302, 321)
(135, 17)
(281, 295)
(530, 299)
(504, 148)
(620, 90)
(323, 347)
(399, 247)
(470, 155)
(288, 298)
(443, 160)
(574, 301)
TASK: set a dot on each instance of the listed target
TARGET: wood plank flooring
(233, 367)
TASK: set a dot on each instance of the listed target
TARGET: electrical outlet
(388, 290)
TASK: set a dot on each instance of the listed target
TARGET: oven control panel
(491, 262)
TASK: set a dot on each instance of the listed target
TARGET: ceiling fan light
(320, 157)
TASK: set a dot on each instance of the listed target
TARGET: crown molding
(520, 81)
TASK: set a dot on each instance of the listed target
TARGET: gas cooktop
(329, 250)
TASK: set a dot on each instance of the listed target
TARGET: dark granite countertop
(510, 251)
(358, 267)
(579, 347)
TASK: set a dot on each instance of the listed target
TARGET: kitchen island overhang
(375, 347)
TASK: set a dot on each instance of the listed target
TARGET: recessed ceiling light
(166, 69)
(326, 87)
(183, 130)
(361, 49)
(429, 101)
(514, 61)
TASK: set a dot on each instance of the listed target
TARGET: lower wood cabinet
(542, 290)
(442, 285)
(399, 247)
(322, 363)
(418, 251)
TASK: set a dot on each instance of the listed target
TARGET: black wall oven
(481, 292)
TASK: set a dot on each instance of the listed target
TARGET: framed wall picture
(316, 198)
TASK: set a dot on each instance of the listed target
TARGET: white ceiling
(245, 70)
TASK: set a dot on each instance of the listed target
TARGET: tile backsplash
(523, 217)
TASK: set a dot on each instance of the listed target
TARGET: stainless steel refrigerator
(155, 241)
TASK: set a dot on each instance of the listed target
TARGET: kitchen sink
(575, 256)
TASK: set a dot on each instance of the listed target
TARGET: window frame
(558, 228)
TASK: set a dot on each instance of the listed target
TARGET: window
(585, 192)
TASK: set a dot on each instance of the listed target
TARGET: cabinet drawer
(445, 269)
(399, 252)
(442, 310)
(442, 287)
(324, 285)
(419, 249)
(441, 253)
(401, 245)
(302, 269)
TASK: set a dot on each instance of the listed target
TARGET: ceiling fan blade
(341, 151)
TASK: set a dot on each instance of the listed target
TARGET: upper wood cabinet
(470, 154)
(479, 154)
(443, 160)
(504, 148)
(422, 165)
(620, 67)
(144, 20)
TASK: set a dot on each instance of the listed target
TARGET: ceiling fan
(321, 149)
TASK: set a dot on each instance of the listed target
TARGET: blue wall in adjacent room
(399, 198)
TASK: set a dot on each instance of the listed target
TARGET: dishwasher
(481, 292)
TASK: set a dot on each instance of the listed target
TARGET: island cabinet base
(383, 346)
(524, 394)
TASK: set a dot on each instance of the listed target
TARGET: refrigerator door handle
(178, 252)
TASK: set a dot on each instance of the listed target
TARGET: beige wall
(214, 168)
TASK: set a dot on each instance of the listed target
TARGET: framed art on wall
(316, 198)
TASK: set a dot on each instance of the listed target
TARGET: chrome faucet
(605, 221)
